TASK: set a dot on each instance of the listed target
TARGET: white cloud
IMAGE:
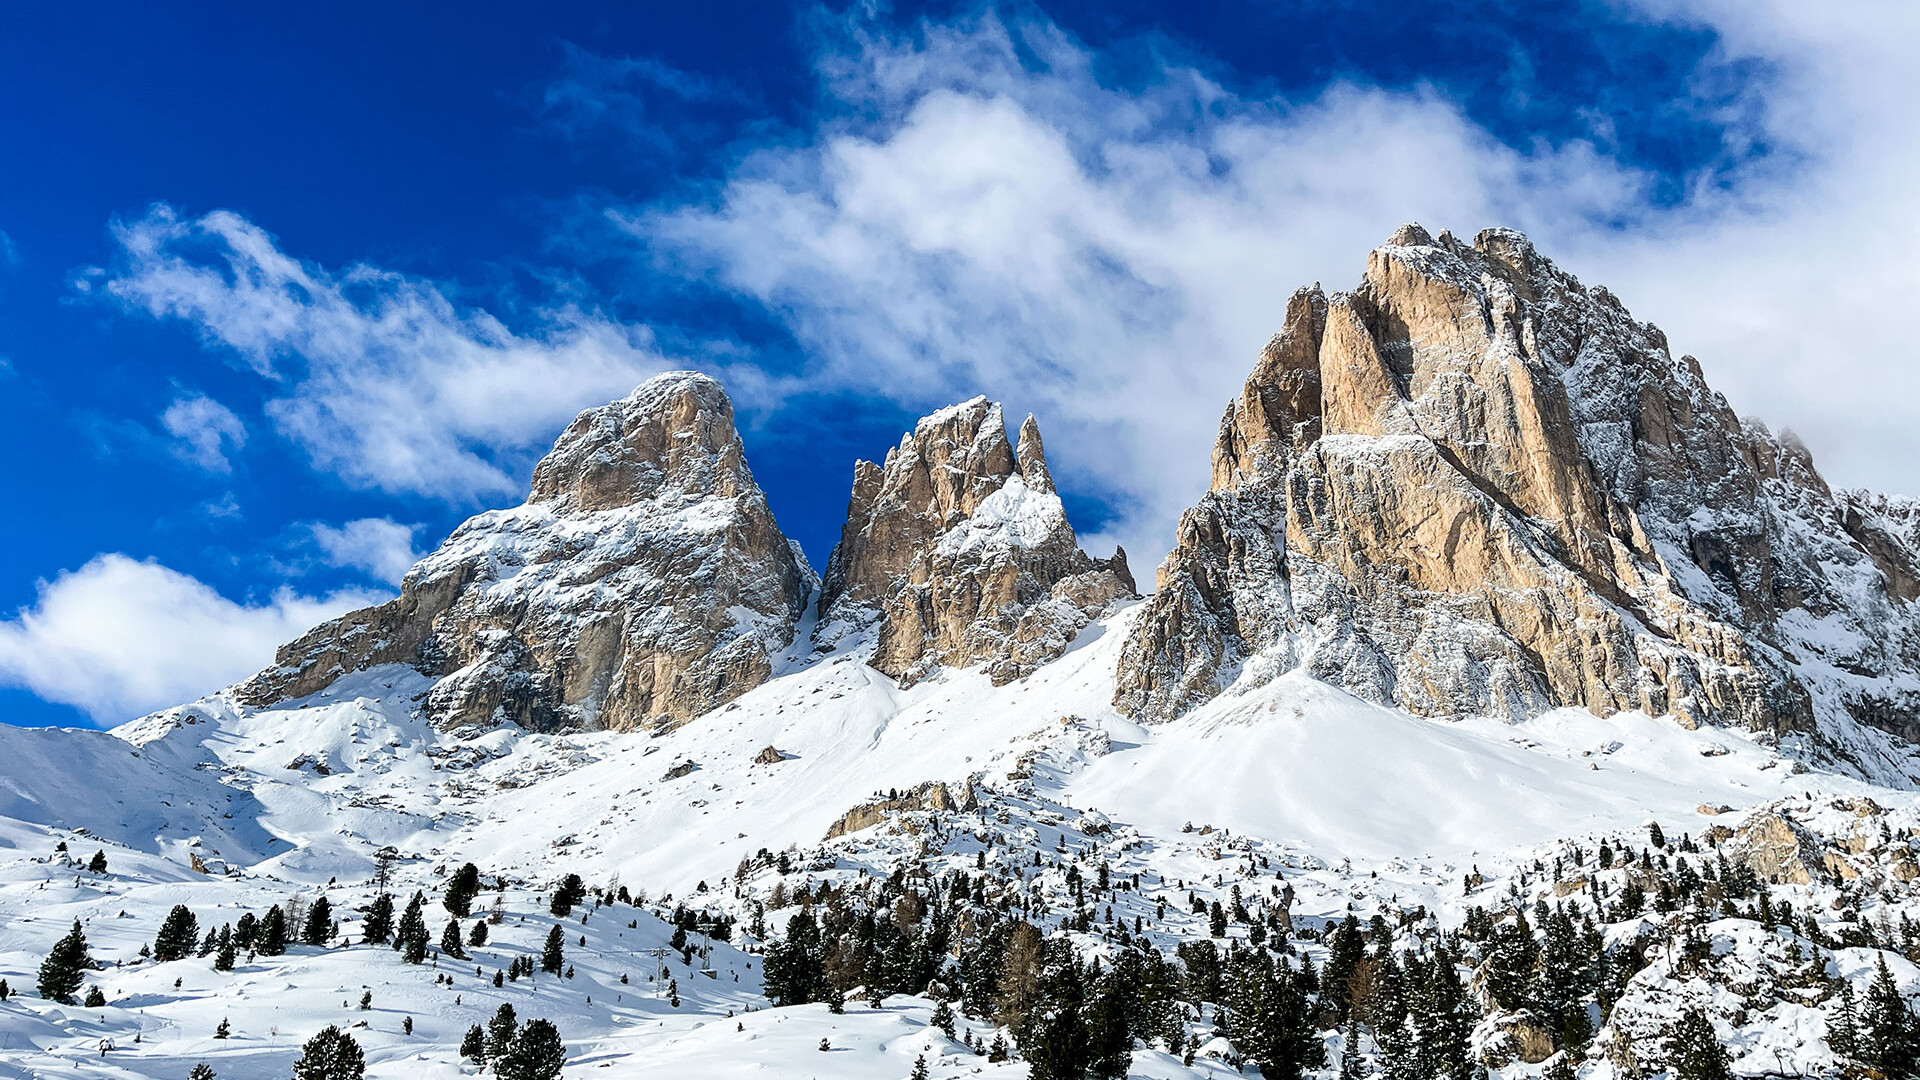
(380, 546)
(1114, 260)
(1111, 260)
(205, 431)
(384, 380)
(119, 637)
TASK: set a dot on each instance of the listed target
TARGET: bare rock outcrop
(1474, 486)
(956, 552)
(643, 583)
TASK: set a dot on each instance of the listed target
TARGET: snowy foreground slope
(1352, 806)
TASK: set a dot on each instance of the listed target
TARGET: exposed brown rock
(1474, 486)
(931, 795)
(643, 583)
(957, 553)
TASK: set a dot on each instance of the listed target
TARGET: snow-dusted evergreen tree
(536, 1053)
(179, 933)
(500, 1030)
(451, 942)
(1888, 1041)
(96, 998)
(462, 887)
(98, 864)
(478, 935)
(225, 953)
(1694, 1051)
(473, 1047)
(65, 967)
(330, 1055)
(378, 926)
(566, 895)
(317, 928)
(201, 1071)
(412, 938)
(272, 939)
(552, 957)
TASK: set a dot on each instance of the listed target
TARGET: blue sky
(287, 294)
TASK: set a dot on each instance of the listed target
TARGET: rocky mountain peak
(957, 552)
(643, 583)
(1474, 486)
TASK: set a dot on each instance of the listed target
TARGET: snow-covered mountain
(1487, 584)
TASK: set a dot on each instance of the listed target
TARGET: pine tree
(462, 887)
(406, 1025)
(794, 970)
(1843, 1028)
(272, 938)
(919, 1068)
(500, 1031)
(318, 927)
(202, 1071)
(1351, 1067)
(569, 892)
(65, 966)
(1053, 1036)
(1694, 1051)
(536, 1053)
(330, 1055)
(1654, 836)
(95, 999)
(245, 931)
(1889, 1038)
(98, 864)
(5, 990)
(379, 922)
(223, 1030)
(412, 938)
(224, 954)
(943, 1018)
(1561, 1067)
(478, 935)
(552, 957)
(474, 1046)
(179, 933)
(450, 940)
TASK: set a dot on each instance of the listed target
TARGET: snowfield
(228, 810)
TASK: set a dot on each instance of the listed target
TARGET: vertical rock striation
(956, 552)
(642, 583)
(1474, 486)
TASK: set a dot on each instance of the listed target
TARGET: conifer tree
(65, 966)
(569, 892)
(474, 1046)
(379, 922)
(245, 930)
(1889, 1038)
(536, 1053)
(202, 1071)
(500, 1031)
(224, 954)
(179, 933)
(330, 1055)
(223, 1030)
(793, 969)
(919, 1069)
(450, 940)
(1694, 1051)
(478, 935)
(1351, 1066)
(943, 1018)
(318, 927)
(552, 957)
(272, 938)
(1843, 1029)
(98, 864)
(95, 999)
(462, 887)
(5, 990)
(412, 938)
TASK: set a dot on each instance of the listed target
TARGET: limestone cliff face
(956, 552)
(643, 583)
(1474, 486)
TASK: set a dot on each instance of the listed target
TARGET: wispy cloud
(119, 637)
(381, 378)
(204, 431)
(380, 547)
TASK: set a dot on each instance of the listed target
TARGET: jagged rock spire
(1475, 486)
(956, 552)
(643, 583)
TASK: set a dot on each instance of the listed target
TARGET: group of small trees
(516, 1051)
